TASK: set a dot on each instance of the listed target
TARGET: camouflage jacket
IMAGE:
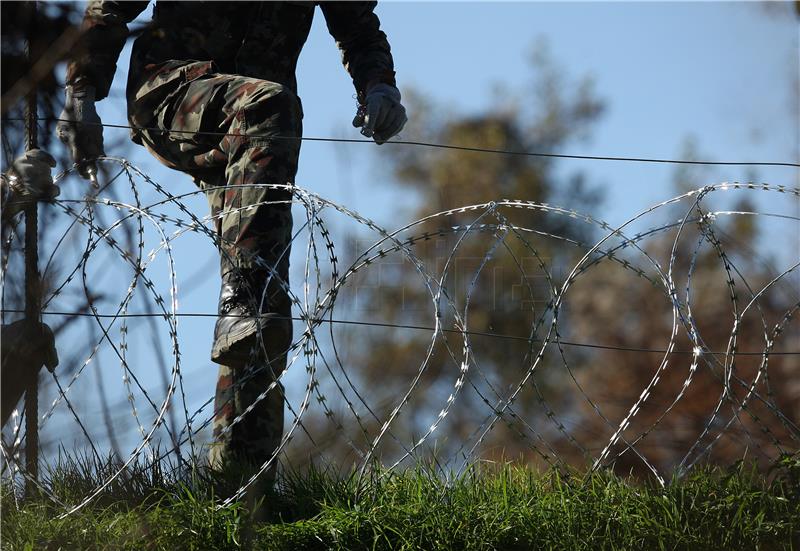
(254, 39)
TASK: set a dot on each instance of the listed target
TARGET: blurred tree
(509, 293)
(718, 270)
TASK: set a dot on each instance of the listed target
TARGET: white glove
(80, 128)
(382, 116)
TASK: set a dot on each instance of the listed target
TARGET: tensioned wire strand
(442, 146)
(407, 326)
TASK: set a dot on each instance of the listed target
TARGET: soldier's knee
(290, 104)
(274, 104)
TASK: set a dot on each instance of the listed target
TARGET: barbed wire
(419, 143)
(407, 326)
(375, 426)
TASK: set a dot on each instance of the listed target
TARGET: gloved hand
(26, 347)
(29, 180)
(382, 116)
(30, 176)
(31, 344)
(80, 128)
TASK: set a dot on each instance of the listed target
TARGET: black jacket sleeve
(104, 31)
(365, 50)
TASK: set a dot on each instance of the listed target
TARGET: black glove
(382, 116)
(30, 343)
(26, 347)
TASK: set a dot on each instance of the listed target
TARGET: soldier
(212, 92)
(26, 346)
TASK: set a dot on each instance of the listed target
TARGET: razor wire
(317, 367)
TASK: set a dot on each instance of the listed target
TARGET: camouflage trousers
(229, 133)
(251, 440)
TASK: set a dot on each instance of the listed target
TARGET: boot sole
(224, 349)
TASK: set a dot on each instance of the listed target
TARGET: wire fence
(543, 403)
(454, 147)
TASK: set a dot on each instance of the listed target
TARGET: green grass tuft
(489, 507)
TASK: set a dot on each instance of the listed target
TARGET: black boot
(243, 312)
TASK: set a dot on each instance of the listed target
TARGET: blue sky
(724, 75)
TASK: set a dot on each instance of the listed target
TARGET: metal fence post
(32, 283)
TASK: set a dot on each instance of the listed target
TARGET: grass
(489, 507)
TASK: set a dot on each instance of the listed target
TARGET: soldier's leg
(246, 440)
(246, 128)
(259, 119)
(255, 239)
(243, 442)
(261, 123)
